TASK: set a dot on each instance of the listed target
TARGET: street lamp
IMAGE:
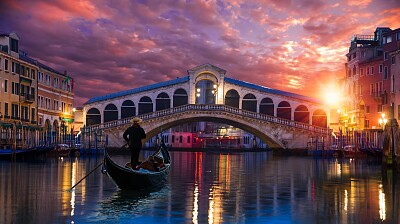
(382, 121)
(198, 92)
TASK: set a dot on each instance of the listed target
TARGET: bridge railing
(212, 107)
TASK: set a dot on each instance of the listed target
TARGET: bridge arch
(206, 75)
(267, 106)
(301, 114)
(249, 102)
(128, 109)
(145, 105)
(110, 112)
(319, 118)
(266, 137)
(232, 98)
(163, 101)
(180, 97)
(284, 110)
(93, 116)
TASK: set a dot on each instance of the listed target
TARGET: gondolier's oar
(91, 172)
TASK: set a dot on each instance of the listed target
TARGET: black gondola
(24, 153)
(130, 179)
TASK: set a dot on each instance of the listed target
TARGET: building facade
(36, 101)
(371, 79)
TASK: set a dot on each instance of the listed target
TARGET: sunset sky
(109, 46)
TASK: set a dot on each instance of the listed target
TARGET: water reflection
(204, 188)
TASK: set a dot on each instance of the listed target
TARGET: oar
(91, 172)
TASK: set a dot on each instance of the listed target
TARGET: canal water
(203, 187)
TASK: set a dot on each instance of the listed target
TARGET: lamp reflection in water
(73, 180)
(382, 206)
(198, 177)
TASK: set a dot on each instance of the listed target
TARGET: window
(371, 89)
(13, 67)
(188, 139)
(385, 75)
(367, 109)
(398, 35)
(14, 45)
(55, 83)
(14, 111)
(173, 138)
(366, 124)
(47, 103)
(361, 72)
(5, 85)
(6, 109)
(380, 68)
(1, 67)
(33, 114)
(63, 106)
(388, 39)
(393, 60)
(372, 70)
(386, 56)
(368, 70)
(6, 65)
(393, 84)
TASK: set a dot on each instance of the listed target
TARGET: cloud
(110, 46)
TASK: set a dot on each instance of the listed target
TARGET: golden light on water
(382, 206)
(195, 213)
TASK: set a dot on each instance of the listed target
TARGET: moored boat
(24, 153)
(127, 178)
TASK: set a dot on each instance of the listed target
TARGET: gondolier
(134, 135)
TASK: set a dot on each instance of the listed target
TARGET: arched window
(301, 114)
(267, 106)
(319, 118)
(128, 109)
(249, 102)
(162, 101)
(145, 105)
(180, 97)
(93, 117)
(284, 110)
(110, 113)
(232, 98)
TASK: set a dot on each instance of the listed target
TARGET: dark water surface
(252, 187)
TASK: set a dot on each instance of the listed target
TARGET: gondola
(23, 153)
(127, 178)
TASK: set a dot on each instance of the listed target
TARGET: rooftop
(186, 78)
(138, 90)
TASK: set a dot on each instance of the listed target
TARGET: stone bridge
(277, 133)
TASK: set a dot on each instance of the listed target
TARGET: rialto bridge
(280, 119)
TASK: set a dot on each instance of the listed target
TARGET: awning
(6, 125)
(69, 120)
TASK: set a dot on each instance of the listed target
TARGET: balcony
(377, 96)
(27, 98)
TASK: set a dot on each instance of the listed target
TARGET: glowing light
(382, 206)
(331, 94)
(195, 212)
(346, 200)
(211, 208)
